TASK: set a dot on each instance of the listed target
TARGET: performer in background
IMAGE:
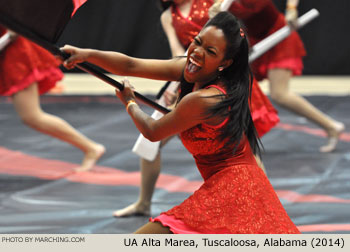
(182, 20)
(261, 18)
(213, 118)
(26, 72)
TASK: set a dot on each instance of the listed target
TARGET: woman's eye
(211, 52)
(197, 42)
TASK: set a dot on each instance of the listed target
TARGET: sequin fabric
(22, 63)
(236, 196)
(264, 115)
(188, 27)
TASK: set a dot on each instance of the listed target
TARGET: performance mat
(40, 193)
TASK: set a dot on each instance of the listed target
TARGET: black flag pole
(17, 27)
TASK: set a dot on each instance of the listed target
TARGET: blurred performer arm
(292, 12)
(174, 43)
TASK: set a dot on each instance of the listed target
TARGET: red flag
(77, 4)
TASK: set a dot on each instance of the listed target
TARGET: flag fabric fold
(44, 18)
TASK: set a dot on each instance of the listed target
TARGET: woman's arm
(291, 13)
(292, 3)
(189, 112)
(124, 65)
(174, 43)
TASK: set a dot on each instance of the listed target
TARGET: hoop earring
(220, 69)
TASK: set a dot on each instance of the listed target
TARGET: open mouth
(193, 66)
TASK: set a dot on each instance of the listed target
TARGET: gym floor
(40, 193)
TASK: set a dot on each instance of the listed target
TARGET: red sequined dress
(264, 114)
(187, 28)
(261, 18)
(236, 196)
(23, 63)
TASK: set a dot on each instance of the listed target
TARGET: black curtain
(128, 26)
(133, 27)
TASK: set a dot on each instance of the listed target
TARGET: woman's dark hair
(237, 80)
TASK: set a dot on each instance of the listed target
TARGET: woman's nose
(198, 51)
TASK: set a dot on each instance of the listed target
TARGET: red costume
(236, 196)
(261, 18)
(187, 28)
(22, 63)
(264, 115)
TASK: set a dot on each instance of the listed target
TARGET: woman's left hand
(127, 93)
(292, 17)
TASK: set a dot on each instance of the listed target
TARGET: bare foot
(333, 136)
(133, 210)
(91, 158)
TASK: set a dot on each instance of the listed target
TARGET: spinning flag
(43, 21)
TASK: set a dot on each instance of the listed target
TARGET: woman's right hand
(77, 55)
(127, 93)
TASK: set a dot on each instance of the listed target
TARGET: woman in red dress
(26, 72)
(213, 119)
(181, 22)
(261, 18)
